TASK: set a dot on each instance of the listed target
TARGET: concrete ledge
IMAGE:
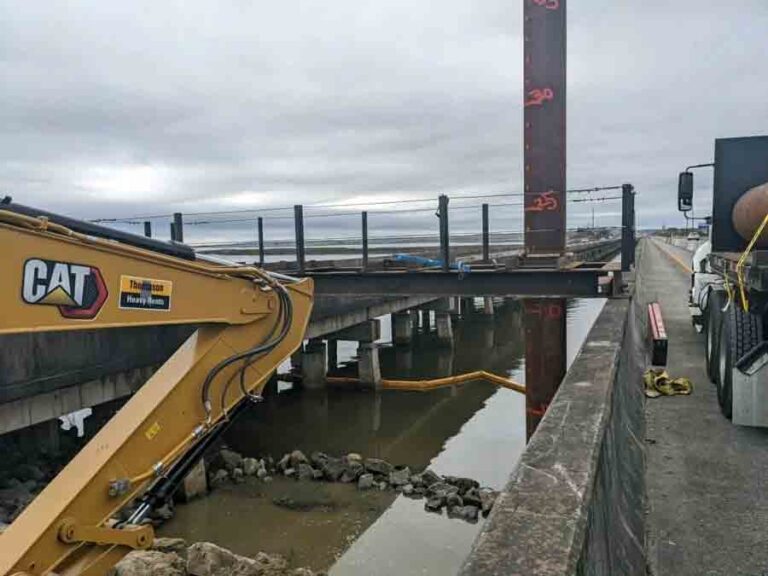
(39, 363)
(39, 408)
(574, 504)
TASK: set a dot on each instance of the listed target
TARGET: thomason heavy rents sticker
(145, 294)
(77, 290)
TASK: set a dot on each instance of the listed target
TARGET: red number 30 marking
(538, 96)
(548, 4)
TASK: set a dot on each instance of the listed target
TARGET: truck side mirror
(685, 192)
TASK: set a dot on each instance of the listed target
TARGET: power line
(597, 189)
(346, 214)
(306, 206)
(607, 198)
(132, 219)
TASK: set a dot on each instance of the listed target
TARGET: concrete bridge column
(376, 412)
(270, 388)
(445, 364)
(402, 328)
(488, 306)
(313, 364)
(369, 368)
(425, 320)
(444, 327)
(489, 335)
(467, 307)
(403, 361)
(315, 410)
(333, 355)
(296, 359)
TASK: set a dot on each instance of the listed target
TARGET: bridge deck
(578, 282)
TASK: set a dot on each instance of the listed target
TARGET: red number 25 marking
(548, 4)
(544, 202)
(538, 96)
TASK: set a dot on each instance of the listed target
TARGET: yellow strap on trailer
(743, 260)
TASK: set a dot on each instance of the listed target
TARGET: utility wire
(131, 219)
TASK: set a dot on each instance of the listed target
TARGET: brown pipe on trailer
(749, 212)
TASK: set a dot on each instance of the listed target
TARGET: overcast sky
(123, 108)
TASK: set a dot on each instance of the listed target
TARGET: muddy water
(474, 430)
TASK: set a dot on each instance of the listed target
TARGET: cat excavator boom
(60, 274)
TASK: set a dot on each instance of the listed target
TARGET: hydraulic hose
(286, 312)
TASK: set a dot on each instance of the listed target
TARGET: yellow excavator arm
(59, 274)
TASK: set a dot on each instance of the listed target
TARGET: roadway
(707, 506)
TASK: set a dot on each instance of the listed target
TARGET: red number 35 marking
(548, 4)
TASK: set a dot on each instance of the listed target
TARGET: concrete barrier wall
(615, 536)
(575, 503)
(33, 364)
(683, 243)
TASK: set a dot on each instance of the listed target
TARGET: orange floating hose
(424, 385)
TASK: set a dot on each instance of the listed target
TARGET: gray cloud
(112, 109)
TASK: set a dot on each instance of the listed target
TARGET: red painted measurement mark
(539, 410)
(551, 311)
(538, 96)
(548, 4)
(544, 202)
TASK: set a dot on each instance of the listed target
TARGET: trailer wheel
(740, 332)
(712, 325)
(724, 380)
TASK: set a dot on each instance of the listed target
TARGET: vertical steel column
(148, 229)
(298, 219)
(634, 228)
(544, 71)
(178, 227)
(261, 240)
(365, 241)
(627, 227)
(486, 235)
(173, 232)
(445, 246)
(545, 355)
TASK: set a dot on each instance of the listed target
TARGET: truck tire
(740, 332)
(725, 355)
(713, 321)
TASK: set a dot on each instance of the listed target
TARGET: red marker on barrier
(657, 334)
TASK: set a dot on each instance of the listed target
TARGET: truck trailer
(729, 285)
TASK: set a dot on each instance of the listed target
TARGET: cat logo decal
(77, 290)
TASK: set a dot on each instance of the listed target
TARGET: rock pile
(462, 498)
(172, 557)
(26, 468)
(15, 496)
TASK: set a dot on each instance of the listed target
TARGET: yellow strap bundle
(658, 383)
